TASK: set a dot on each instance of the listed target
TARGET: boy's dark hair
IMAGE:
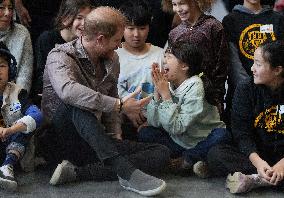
(70, 9)
(12, 63)
(189, 54)
(137, 12)
(192, 55)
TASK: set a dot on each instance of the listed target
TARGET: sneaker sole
(57, 173)
(233, 182)
(148, 193)
(8, 184)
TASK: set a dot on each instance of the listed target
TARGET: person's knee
(146, 135)
(213, 156)
(163, 153)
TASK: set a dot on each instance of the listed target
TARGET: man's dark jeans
(81, 139)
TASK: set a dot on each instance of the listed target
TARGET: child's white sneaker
(200, 169)
(7, 179)
(241, 183)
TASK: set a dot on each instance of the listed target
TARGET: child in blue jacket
(18, 119)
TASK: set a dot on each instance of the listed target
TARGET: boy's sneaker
(143, 184)
(240, 183)
(7, 180)
(200, 169)
(64, 173)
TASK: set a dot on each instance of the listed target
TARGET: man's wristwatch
(120, 105)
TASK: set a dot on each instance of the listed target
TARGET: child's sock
(11, 159)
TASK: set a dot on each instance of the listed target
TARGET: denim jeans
(160, 136)
(192, 155)
(17, 141)
(80, 129)
(81, 139)
(199, 152)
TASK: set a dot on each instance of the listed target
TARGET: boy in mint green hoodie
(179, 115)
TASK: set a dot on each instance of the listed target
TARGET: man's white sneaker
(64, 173)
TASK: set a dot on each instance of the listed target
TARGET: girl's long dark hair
(191, 55)
(69, 9)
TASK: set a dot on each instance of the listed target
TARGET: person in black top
(246, 28)
(68, 26)
(37, 15)
(256, 155)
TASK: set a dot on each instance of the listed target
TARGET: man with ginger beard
(80, 102)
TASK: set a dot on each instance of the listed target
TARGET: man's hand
(142, 125)
(137, 119)
(160, 82)
(133, 106)
(23, 13)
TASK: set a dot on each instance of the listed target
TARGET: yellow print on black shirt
(271, 119)
(254, 35)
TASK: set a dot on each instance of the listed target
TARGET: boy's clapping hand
(160, 82)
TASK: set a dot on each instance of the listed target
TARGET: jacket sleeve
(221, 52)
(25, 66)
(32, 115)
(112, 120)
(237, 72)
(152, 113)
(41, 56)
(63, 73)
(175, 118)
(242, 118)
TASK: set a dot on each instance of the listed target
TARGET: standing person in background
(247, 27)
(255, 157)
(69, 24)
(17, 38)
(37, 15)
(135, 58)
(279, 6)
(206, 32)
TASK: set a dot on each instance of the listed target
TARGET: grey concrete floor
(34, 185)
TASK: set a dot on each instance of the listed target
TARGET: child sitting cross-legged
(179, 115)
(254, 158)
(18, 119)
